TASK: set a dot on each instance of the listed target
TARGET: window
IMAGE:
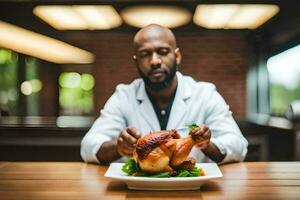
(31, 86)
(284, 76)
(8, 82)
(13, 81)
(76, 93)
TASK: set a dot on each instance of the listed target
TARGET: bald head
(157, 57)
(154, 32)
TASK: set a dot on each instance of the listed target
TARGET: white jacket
(195, 102)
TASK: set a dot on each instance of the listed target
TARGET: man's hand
(202, 136)
(126, 141)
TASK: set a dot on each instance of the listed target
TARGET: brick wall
(219, 57)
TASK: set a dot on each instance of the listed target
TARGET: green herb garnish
(131, 168)
(192, 126)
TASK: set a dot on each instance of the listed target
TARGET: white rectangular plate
(211, 170)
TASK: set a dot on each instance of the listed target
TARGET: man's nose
(155, 59)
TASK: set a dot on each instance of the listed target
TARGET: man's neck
(162, 97)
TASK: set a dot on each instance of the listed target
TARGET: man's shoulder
(206, 85)
(198, 85)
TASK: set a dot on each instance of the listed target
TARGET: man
(163, 99)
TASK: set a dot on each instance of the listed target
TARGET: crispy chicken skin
(164, 151)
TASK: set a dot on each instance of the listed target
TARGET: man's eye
(144, 54)
(163, 51)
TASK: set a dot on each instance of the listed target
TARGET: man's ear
(178, 56)
(135, 59)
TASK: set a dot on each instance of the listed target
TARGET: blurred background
(61, 60)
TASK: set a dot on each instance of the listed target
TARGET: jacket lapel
(146, 108)
(179, 107)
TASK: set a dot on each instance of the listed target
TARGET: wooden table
(65, 180)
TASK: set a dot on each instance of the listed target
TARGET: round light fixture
(169, 16)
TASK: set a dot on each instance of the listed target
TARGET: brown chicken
(164, 151)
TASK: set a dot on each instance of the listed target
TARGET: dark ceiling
(281, 29)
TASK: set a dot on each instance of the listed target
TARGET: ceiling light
(213, 16)
(252, 16)
(234, 16)
(83, 17)
(169, 16)
(40, 46)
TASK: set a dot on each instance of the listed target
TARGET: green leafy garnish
(192, 126)
(131, 168)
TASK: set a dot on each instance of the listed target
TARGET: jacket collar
(178, 110)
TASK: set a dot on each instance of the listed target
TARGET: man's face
(156, 61)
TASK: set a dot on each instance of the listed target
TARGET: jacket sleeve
(226, 135)
(106, 127)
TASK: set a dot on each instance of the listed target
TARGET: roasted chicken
(165, 151)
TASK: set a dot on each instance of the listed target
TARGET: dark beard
(160, 85)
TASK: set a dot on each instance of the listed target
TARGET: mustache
(158, 69)
(159, 85)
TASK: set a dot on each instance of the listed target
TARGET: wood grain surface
(75, 180)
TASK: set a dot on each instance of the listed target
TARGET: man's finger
(125, 149)
(127, 145)
(132, 131)
(126, 152)
(129, 148)
(120, 139)
(202, 145)
(128, 138)
(199, 145)
(206, 135)
(199, 132)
